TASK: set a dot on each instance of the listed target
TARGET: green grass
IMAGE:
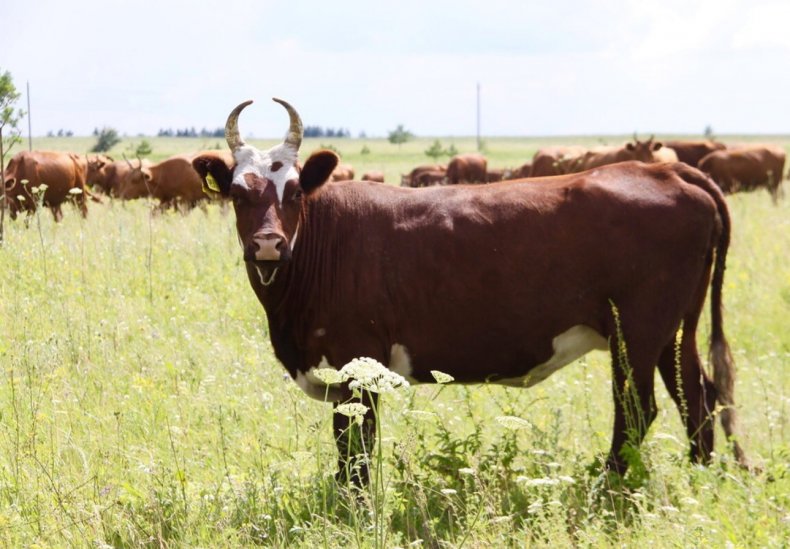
(130, 417)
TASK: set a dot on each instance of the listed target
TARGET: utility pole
(29, 123)
(478, 116)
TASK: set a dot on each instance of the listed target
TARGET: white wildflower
(43, 187)
(75, 190)
(512, 422)
(535, 507)
(466, 471)
(421, 415)
(368, 374)
(449, 491)
(566, 479)
(329, 376)
(355, 410)
(689, 501)
(668, 509)
(666, 436)
(538, 481)
(441, 377)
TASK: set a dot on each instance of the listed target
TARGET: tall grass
(163, 419)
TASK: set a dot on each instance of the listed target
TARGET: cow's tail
(720, 355)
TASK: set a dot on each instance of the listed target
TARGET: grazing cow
(495, 174)
(343, 172)
(747, 168)
(415, 177)
(113, 175)
(172, 181)
(63, 174)
(373, 175)
(525, 170)
(96, 171)
(503, 283)
(643, 151)
(691, 152)
(556, 160)
(467, 168)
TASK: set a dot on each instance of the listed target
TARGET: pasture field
(141, 404)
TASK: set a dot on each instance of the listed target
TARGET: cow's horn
(294, 137)
(232, 127)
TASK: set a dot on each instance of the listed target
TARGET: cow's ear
(657, 145)
(630, 146)
(214, 172)
(317, 170)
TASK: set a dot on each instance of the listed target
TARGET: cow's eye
(298, 194)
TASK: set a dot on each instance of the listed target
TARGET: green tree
(9, 123)
(107, 139)
(143, 149)
(435, 151)
(400, 135)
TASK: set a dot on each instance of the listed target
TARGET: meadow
(141, 404)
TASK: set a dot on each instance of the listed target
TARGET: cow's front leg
(355, 441)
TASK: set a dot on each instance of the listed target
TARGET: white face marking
(251, 160)
(568, 346)
(315, 388)
(400, 363)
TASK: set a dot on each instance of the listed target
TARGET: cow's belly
(568, 346)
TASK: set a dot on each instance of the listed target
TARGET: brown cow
(172, 181)
(691, 152)
(747, 168)
(63, 174)
(415, 178)
(96, 171)
(467, 168)
(556, 160)
(503, 283)
(495, 174)
(373, 175)
(114, 174)
(525, 170)
(644, 151)
(343, 172)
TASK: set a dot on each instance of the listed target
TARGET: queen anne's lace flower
(368, 374)
(328, 376)
(441, 377)
(512, 422)
(354, 410)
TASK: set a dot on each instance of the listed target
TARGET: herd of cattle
(736, 167)
(174, 182)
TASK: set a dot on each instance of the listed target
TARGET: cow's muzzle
(268, 248)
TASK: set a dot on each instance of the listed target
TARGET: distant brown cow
(373, 175)
(343, 172)
(556, 160)
(96, 171)
(172, 181)
(747, 168)
(62, 173)
(495, 174)
(429, 178)
(467, 168)
(525, 170)
(691, 152)
(415, 178)
(113, 175)
(643, 151)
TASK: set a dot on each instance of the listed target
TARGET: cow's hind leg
(355, 442)
(634, 356)
(692, 390)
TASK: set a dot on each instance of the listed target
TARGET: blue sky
(545, 68)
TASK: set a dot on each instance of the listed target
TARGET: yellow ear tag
(210, 185)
